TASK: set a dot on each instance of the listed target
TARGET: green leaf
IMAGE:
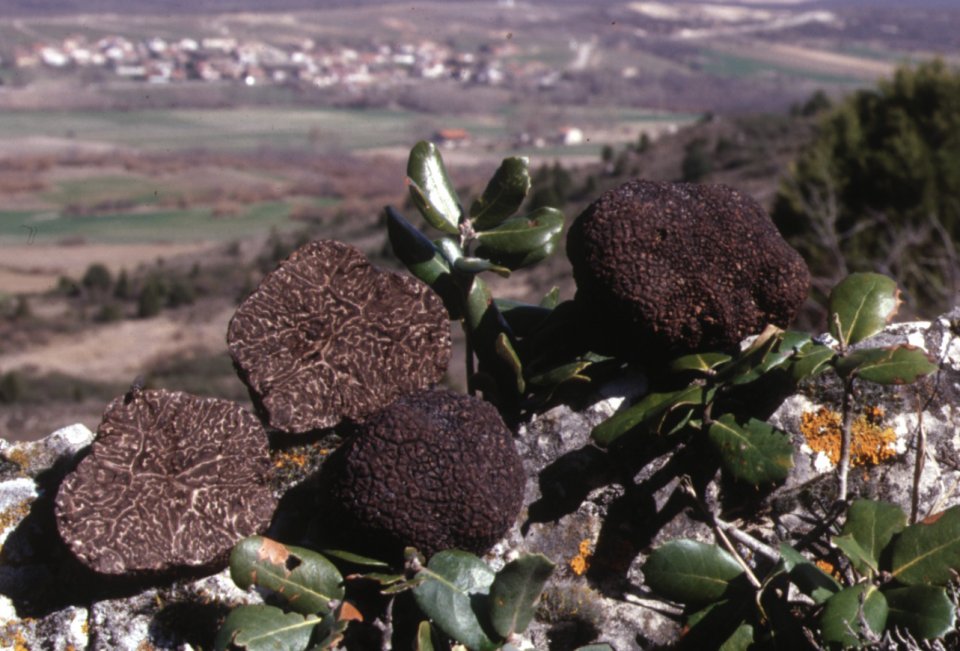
(840, 622)
(431, 190)
(355, 559)
(703, 363)
(648, 409)
(811, 580)
(551, 299)
(476, 265)
(560, 374)
(424, 637)
(924, 610)
(929, 551)
(861, 305)
(504, 194)
(515, 591)
(741, 639)
(861, 559)
(755, 452)
(895, 365)
(521, 241)
(742, 368)
(778, 352)
(690, 572)
(305, 579)
(454, 582)
(719, 620)
(265, 628)
(810, 360)
(509, 356)
(523, 318)
(872, 524)
(415, 250)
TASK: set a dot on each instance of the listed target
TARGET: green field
(723, 64)
(237, 129)
(198, 224)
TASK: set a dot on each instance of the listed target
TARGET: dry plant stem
(843, 468)
(748, 541)
(687, 486)
(918, 467)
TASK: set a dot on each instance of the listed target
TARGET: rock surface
(596, 513)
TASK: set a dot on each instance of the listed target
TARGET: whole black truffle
(172, 482)
(667, 267)
(327, 335)
(435, 470)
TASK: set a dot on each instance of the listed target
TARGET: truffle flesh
(434, 470)
(666, 267)
(172, 482)
(327, 335)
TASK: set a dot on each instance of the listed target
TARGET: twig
(687, 486)
(843, 468)
(918, 466)
(748, 541)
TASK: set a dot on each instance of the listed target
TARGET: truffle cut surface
(172, 481)
(327, 335)
(435, 470)
(679, 266)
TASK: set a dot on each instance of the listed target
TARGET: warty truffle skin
(328, 336)
(434, 470)
(670, 267)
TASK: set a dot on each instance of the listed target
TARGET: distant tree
(818, 103)
(151, 299)
(643, 144)
(121, 289)
(97, 278)
(12, 387)
(181, 293)
(22, 310)
(606, 154)
(108, 313)
(696, 162)
(879, 188)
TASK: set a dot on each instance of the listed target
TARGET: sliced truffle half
(327, 335)
(172, 482)
(435, 470)
(664, 267)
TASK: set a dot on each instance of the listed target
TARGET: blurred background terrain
(156, 159)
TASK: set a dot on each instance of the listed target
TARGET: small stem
(471, 363)
(843, 468)
(687, 486)
(749, 541)
(918, 465)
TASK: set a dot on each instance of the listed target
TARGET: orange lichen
(870, 442)
(581, 562)
(827, 567)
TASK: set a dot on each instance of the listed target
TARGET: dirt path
(118, 352)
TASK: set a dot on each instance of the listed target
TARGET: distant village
(232, 61)
(219, 59)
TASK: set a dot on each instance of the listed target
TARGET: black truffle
(327, 335)
(668, 267)
(172, 482)
(435, 470)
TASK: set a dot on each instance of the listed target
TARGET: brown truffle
(434, 470)
(327, 335)
(172, 482)
(665, 267)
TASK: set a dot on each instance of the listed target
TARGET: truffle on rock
(435, 470)
(327, 335)
(669, 267)
(172, 482)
